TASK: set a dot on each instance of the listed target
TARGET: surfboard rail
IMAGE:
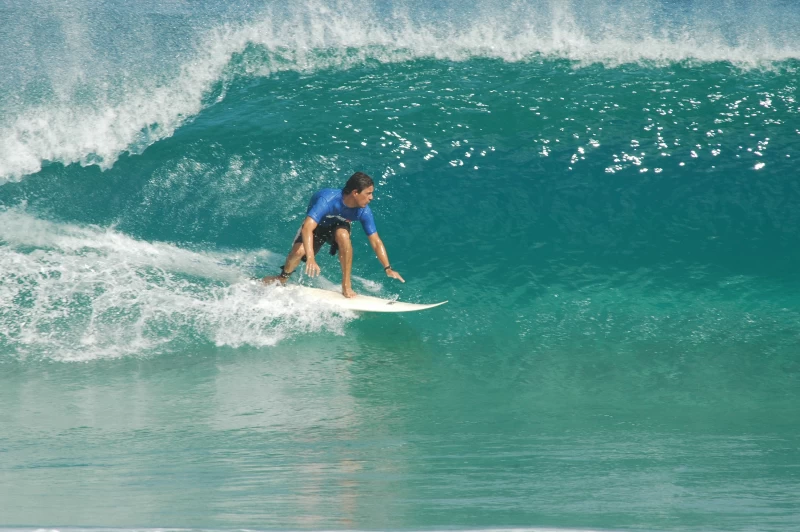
(360, 303)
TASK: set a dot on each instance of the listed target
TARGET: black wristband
(389, 267)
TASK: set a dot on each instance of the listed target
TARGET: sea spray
(71, 293)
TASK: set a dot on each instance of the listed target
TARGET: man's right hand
(312, 268)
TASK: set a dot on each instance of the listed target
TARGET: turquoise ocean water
(606, 192)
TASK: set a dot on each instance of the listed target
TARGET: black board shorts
(324, 234)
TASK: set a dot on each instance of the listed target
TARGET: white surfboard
(360, 303)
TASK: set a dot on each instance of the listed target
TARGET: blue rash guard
(327, 207)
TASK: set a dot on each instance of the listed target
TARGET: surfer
(328, 217)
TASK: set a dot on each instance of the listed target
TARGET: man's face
(364, 197)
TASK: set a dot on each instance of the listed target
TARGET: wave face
(604, 191)
(83, 84)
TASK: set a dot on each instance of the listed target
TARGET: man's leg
(292, 260)
(345, 259)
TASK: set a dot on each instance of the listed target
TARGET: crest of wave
(321, 34)
(73, 293)
(98, 108)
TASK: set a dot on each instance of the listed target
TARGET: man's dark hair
(358, 182)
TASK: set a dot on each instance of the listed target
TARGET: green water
(608, 202)
(355, 435)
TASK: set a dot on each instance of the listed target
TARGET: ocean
(606, 192)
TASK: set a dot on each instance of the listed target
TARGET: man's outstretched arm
(380, 251)
(312, 268)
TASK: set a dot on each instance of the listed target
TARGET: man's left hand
(394, 275)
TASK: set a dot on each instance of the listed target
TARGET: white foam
(584, 31)
(98, 132)
(369, 285)
(83, 293)
(318, 34)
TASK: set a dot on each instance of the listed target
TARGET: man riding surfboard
(328, 217)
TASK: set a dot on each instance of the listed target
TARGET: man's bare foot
(272, 279)
(348, 292)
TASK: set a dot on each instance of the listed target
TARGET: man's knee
(297, 250)
(343, 237)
